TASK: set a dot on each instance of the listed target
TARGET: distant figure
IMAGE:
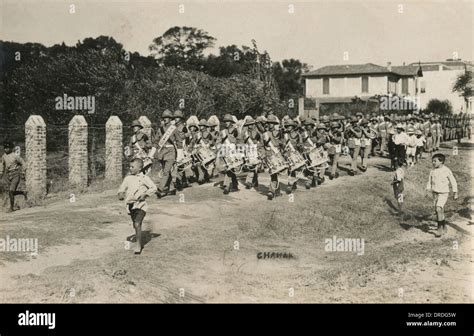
(135, 188)
(429, 145)
(438, 184)
(398, 185)
(11, 170)
(420, 144)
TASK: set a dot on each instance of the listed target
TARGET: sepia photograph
(236, 152)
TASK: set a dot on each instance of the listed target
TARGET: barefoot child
(135, 188)
(10, 171)
(438, 183)
(397, 184)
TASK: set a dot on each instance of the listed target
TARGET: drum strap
(166, 136)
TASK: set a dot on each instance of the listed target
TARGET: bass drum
(316, 157)
(276, 163)
(295, 160)
(233, 161)
(204, 155)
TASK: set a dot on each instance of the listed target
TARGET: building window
(365, 84)
(404, 85)
(423, 87)
(325, 85)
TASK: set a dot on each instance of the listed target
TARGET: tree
(182, 47)
(439, 107)
(288, 77)
(231, 61)
(463, 86)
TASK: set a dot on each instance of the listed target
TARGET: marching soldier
(353, 136)
(292, 143)
(182, 135)
(383, 128)
(164, 146)
(204, 138)
(374, 126)
(271, 143)
(140, 146)
(229, 138)
(213, 128)
(192, 143)
(336, 140)
(252, 140)
(322, 142)
(365, 142)
(306, 145)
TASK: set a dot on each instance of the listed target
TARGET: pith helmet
(178, 114)
(136, 123)
(167, 114)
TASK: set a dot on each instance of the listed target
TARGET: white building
(421, 81)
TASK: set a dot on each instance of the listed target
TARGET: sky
(318, 33)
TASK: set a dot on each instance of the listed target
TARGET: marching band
(298, 149)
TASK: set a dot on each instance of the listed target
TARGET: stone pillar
(35, 143)
(301, 111)
(146, 123)
(113, 149)
(78, 152)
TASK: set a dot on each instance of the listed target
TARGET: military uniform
(292, 144)
(306, 145)
(336, 140)
(253, 141)
(272, 143)
(229, 140)
(323, 143)
(365, 143)
(353, 135)
(140, 145)
(181, 174)
(166, 155)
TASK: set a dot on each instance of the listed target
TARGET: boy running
(135, 188)
(438, 183)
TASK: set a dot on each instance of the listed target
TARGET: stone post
(78, 161)
(35, 143)
(113, 149)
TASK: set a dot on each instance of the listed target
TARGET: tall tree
(232, 60)
(288, 77)
(182, 47)
(463, 86)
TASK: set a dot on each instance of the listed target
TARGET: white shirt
(399, 174)
(401, 138)
(420, 142)
(439, 180)
(135, 186)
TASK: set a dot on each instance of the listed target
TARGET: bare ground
(86, 247)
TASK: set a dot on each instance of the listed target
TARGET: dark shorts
(13, 179)
(398, 191)
(137, 214)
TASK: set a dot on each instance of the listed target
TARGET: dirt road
(205, 246)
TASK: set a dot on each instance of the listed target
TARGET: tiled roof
(329, 100)
(350, 69)
(406, 70)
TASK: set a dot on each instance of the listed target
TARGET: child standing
(420, 144)
(10, 170)
(135, 188)
(398, 184)
(438, 183)
(411, 147)
(429, 144)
